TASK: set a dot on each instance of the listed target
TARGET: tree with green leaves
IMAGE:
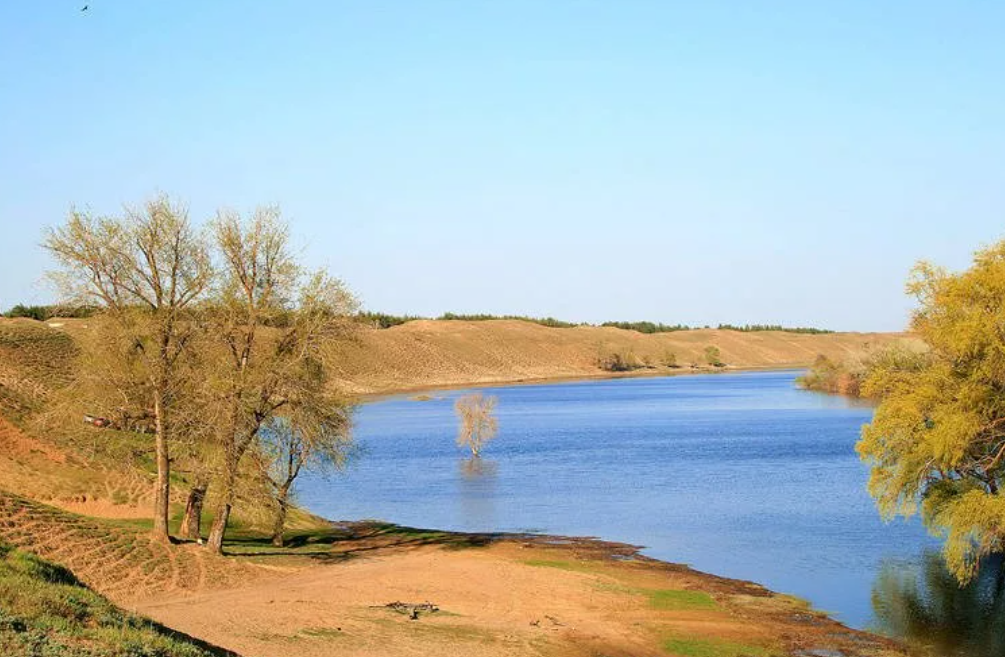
(145, 271)
(273, 329)
(316, 435)
(936, 444)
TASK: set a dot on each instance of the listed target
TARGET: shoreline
(369, 397)
(498, 594)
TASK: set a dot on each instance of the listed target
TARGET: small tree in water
(478, 424)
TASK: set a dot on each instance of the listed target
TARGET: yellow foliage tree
(937, 441)
(478, 424)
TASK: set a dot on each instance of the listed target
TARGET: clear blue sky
(697, 162)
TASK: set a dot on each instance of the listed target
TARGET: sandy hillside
(434, 353)
(427, 353)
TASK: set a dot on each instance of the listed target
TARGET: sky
(686, 162)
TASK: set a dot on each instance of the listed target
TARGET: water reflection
(923, 604)
(477, 486)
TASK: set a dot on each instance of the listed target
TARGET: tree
(478, 424)
(713, 356)
(937, 440)
(316, 435)
(145, 270)
(670, 359)
(272, 331)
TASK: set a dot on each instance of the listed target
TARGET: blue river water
(739, 474)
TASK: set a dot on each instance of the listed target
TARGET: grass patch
(692, 647)
(572, 566)
(323, 632)
(680, 599)
(666, 599)
(45, 610)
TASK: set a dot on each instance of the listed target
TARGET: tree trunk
(162, 494)
(215, 541)
(219, 528)
(282, 498)
(191, 524)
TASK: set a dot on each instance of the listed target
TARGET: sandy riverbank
(497, 596)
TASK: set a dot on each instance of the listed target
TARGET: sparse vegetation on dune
(46, 611)
(34, 360)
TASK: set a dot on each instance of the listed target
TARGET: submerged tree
(146, 271)
(937, 440)
(478, 424)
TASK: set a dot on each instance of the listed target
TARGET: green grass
(679, 599)
(46, 611)
(692, 647)
(323, 632)
(666, 599)
(573, 566)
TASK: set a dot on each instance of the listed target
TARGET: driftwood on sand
(410, 609)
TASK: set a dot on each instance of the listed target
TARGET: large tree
(273, 327)
(937, 441)
(146, 270)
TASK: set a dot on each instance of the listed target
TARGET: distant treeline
(384, 320)
(648, 327)
(751, 328)
(42, 313)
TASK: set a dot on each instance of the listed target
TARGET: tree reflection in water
(929, 607)
(477, 493)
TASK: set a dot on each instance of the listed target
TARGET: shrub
(619, 361)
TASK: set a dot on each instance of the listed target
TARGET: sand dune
(427, 353)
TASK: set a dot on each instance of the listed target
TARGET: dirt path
(509, 598)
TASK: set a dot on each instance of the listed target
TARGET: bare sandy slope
(425, 353)
(509, 598)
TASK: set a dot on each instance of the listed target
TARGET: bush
(619, 361)
(713, 356)
(826, 375)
